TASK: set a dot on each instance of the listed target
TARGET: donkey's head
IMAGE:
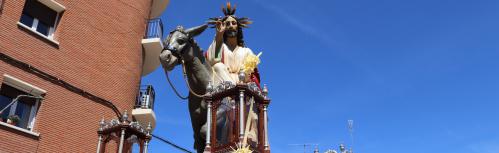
(179, 46)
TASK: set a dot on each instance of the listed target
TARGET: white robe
(227, 63)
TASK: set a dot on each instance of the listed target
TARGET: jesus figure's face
(230, 27)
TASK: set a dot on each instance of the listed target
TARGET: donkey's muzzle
(167, 59)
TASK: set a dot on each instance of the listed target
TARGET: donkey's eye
(181, 41)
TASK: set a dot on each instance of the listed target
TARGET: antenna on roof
(305, 145)
(350, 130)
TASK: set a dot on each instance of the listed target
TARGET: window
(25, 108)
(41, 16)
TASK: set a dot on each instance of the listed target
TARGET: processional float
(247, 103)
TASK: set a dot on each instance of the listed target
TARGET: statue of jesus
(227, 53)
(228, 56)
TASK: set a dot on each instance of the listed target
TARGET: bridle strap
(187, 82)
(175, 51)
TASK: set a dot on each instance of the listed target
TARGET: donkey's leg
(198, 119)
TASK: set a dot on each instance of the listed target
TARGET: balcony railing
(145, 98)
(154, 29)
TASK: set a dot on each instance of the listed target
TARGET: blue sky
(415, 75)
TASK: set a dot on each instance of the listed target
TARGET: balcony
(145, 99)
(152, 46)
(143, 111)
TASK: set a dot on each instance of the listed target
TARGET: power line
(57, 81)
(60, 82)
(172, 144)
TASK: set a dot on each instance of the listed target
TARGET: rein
(174, 50)
(186, 82)
(175, 89)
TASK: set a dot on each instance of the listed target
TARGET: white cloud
(296, 22)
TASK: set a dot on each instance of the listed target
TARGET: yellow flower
(250, 63)
(242, 150)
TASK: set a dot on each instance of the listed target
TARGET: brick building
(76, 62)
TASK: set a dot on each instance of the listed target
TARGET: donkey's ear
(194, 31)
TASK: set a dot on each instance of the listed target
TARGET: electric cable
(59, 82)
(26, 67)
(171, 143)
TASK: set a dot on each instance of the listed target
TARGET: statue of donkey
(180, 48)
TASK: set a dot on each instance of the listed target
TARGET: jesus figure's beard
(230, 33)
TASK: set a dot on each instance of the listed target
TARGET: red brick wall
(16, 141)
(99, 51)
